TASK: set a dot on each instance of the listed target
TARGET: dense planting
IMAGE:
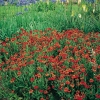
(61, 62)
(49, 65)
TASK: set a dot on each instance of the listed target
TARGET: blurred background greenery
(57, 15)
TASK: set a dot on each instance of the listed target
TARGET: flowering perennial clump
(49, 65)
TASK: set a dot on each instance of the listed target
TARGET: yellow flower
(79, 15)
(93, 10)
(47, 2)
(84, 8)
(79, 1)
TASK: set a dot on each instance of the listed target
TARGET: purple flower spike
(1, 2)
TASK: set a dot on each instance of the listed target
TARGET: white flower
(93, 52)
(6, 3)
(79, 1)
(79, 15)
(93, 10)
(67, 1)
(47, 2)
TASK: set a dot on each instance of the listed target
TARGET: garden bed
(49, 65)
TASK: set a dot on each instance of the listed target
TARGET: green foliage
(55, 15)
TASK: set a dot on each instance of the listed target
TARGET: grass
(42, 15)
(12, 10)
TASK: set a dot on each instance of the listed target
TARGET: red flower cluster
(44, 61)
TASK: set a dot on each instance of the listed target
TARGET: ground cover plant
(49, 65)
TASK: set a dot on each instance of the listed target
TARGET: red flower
(86, 56)
(84, 84)
(57, 45)
(98, 66)
(41, 91)
(50, 48)
(3, 50)
(83, 70)
(42, 99)
(63, 55)
(97, 96)
(3, 43)
(12, 80)
(98, 77)
(97, 49)
(78, 97)
(53, 86)
(36, 87)
(49, 29)
(91, 80)
(39, 69)
(30, 62)
(30, 91)
(13, 39)
(52, 78)
(66, 90)
(48, 88)
(38, 75)
(1, 64)
(67, 82)
(75, 76)
(45, 92)
(0, 69)
(19, 73)
(6, 39)
(31, 79)
(69, 33)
